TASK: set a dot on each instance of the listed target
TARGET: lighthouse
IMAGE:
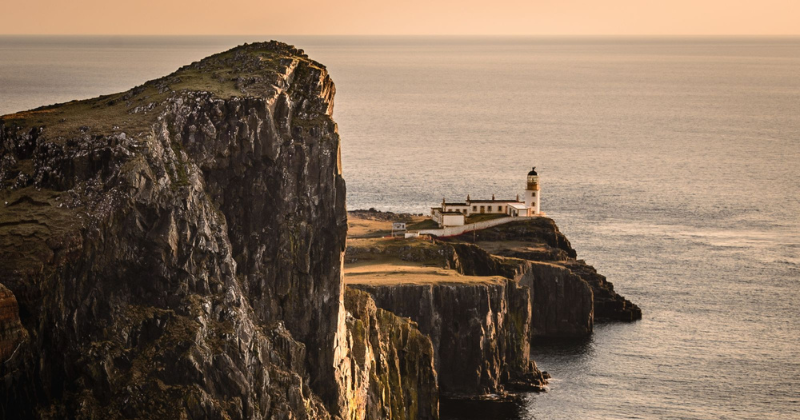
(532, 193)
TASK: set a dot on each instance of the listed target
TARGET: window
(534, 194)
(490, 208)
(474, 208)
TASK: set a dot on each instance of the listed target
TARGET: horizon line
(426, 35)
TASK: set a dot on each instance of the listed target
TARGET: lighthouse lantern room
(532, 192)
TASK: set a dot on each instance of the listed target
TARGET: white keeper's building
(454, 214)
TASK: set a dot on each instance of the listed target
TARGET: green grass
(109, 114)
(424, 224)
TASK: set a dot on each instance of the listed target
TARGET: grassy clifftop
(257, 69)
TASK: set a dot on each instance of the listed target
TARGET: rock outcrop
(480, 332)
(567, 295)
(16, 359)
(12, 334)
(176, 252)
(562, 302)
(539, 240)
(393, 364)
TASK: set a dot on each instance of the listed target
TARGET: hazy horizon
(409, 18)
(522, 36)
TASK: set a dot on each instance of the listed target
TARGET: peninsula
(181, 250)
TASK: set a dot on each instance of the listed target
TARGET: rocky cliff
(175, 251)
(539, 240)
(562, 302)
(480, 331)
(478, 321)
(567, 295)
(393, 364)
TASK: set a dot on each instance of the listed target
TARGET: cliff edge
(540, 242)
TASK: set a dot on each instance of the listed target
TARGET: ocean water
(672, 164)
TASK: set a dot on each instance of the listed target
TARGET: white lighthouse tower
(532, 193)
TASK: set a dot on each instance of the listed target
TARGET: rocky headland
(181, 250)
(484, 296)
(539, 241)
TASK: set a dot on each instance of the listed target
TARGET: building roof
(455, 204)
(518, 206)
(532, 172)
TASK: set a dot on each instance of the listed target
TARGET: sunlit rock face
(175, 250)
(392, 363)
(480, 332)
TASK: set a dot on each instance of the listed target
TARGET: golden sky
(402, 17)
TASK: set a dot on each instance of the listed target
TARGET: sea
(672, 164)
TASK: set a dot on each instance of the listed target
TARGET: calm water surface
(673, 165)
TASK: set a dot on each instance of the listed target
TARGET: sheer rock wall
(393, 364)
(176, 250)
(480, 332)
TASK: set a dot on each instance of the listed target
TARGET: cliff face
(392, 362)
(562, 302)
(12, 334)
(539, 240)
(17, 358)
(480, 331)
(176, 250)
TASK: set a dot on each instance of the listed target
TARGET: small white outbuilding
(452, 219)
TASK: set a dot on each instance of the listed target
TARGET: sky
(402, 17)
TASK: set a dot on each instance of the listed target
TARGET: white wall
(462, 209)
(532, 198)
(495, 208)
(452, 220)
(436, 215)
(457, 230)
